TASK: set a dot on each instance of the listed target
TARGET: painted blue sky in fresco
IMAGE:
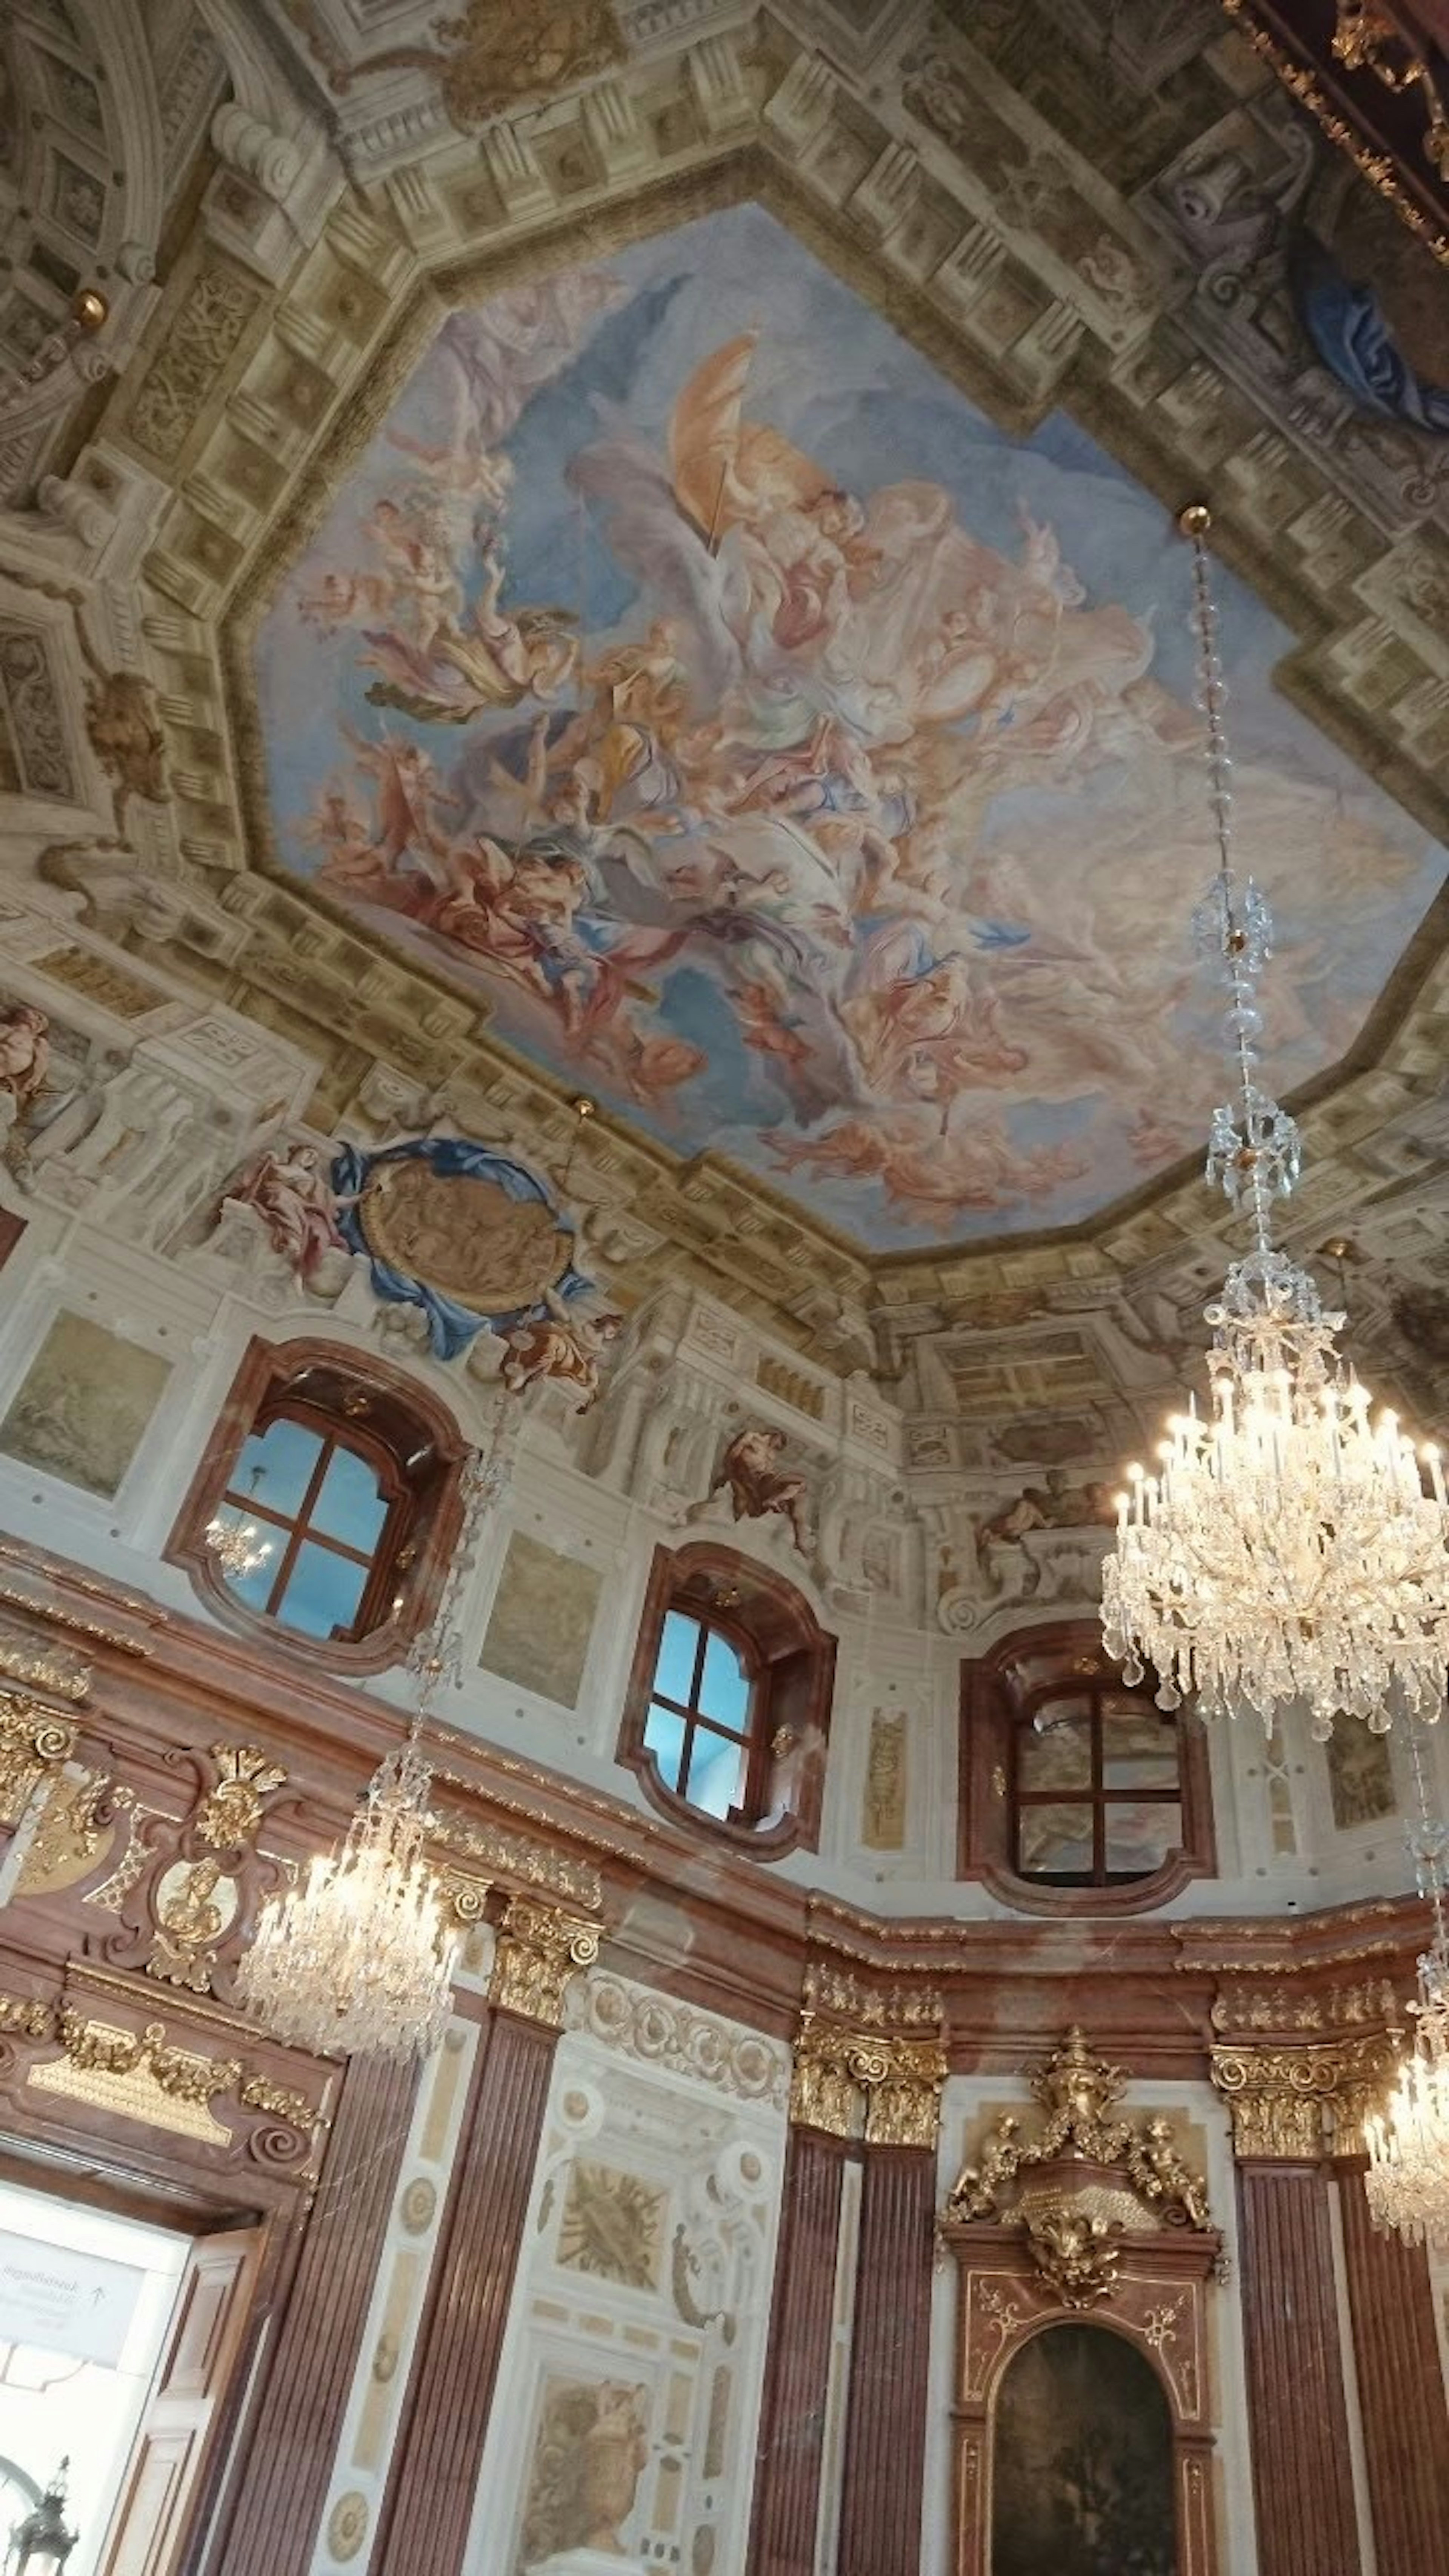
(795, 761)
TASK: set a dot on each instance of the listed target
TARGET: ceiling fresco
(795, 761)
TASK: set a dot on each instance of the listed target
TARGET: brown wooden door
(205, 2337)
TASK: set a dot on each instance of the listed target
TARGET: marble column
(1297, 2407)
(1400, 2388)
(295, 2427)
(433, 2483)
(885, 2437)
(793, 2412)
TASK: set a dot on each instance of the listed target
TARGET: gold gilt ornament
(1085, 2179)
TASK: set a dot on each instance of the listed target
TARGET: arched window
(326, 1504)
(700, 1727)
(1096, 1788)
(728, 1707)
(1078, 1794)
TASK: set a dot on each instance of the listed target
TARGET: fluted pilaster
(797, 2371)
(430, 2496)
(1400, 2389)
(1298, 2413)
(295, 2430)
(885, 2443)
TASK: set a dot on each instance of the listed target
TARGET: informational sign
(61, 2301)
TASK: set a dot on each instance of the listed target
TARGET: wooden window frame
(407, 1437)
(999, 1693)
(790, 1660)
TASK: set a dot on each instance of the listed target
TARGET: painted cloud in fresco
(794, 760)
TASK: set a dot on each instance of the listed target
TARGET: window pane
(274, 1465)
(716, 1768)
(1055, 1752)
(253, 1586)
(664, 1738)
(349, 1505)
(724, 1692)
(1054, 1842)
(1138, 1839)
(1139, 1748)
(674, 1672)
(323, 1592)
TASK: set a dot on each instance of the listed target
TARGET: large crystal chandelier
(1408, 2142)
(1287, 1548)
(355, 1957)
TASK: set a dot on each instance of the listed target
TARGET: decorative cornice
(153, 2062)
(519, 1856)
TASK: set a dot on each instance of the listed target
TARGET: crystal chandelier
(1287, 1548)
(237, 1545)
(1408, 2142)
(356, 1956)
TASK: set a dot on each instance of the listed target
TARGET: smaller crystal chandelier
(1408, 2142)
(237, 1545)
(355, 1957)
(1287, 1549)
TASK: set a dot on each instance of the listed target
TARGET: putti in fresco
(781, 751)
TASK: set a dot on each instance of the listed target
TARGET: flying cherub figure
(567, 1348)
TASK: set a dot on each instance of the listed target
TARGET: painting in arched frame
(1082, 2460)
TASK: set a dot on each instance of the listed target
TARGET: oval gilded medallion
(461, 1234)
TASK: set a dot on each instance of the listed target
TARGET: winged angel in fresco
(781, 772)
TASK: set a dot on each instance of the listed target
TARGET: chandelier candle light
(1408, 2142)
(356, 1956)
(1288, 1548)
(237, 1545)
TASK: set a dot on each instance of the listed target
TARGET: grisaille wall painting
(84, 1404)
(782, 751)
(542, 1620)
(1081, 2461)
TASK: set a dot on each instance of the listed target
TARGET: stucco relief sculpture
(589, 2453)
(1086, 2176)
(461, 1244)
